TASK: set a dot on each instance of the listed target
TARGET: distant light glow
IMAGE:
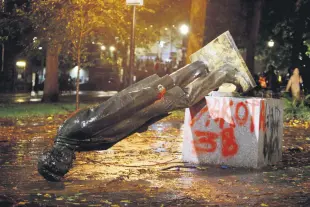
(103, 47)
(271, 43)
(166, 28)
(161, 43)
(35, 99)
(184, 29)
(112, 48)
(20, 100)
(40, 48)
(21, 64)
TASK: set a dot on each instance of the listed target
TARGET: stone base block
(241, 132)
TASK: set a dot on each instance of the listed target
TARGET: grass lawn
(24, 110)
(35, 109)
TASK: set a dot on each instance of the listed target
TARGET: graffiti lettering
(207, 142)
(229, 145)
(241, 120)
(254, 104)
(224, 114)
(227, 117)
(271, 139)
(262, 117)
(199, 115)
(208, 139)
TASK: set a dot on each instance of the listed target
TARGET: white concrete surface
(241, 132)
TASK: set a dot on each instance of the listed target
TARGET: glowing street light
(271, 43)
(103, 48)
(162, 43)
(184, 29)
(21, 64)
(112, 48)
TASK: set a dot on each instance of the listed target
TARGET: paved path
(145, 170)
(64, 97)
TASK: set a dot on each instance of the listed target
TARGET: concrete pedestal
(241, 132)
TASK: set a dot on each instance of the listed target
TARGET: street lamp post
(132, 45)
(184, 29)
(133, 3)
(270, 44)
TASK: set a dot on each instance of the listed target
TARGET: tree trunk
(253, 34)
(299, 30)
(51, 91)
(197, 26)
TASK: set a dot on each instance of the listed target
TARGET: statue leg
(175, 98)
(84, 132)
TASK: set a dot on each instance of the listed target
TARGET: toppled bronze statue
(135, 108)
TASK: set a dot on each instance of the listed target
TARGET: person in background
(272, 81)
(295, 84)
(157, 65)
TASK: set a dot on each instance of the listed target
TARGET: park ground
(143, 170)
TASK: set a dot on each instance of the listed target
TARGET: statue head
(55, 163)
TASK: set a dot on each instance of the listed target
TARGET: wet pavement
(145, 170)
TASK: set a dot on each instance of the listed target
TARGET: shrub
(296, 109)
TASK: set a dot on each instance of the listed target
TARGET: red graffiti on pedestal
(227, 118)
(207, 142)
